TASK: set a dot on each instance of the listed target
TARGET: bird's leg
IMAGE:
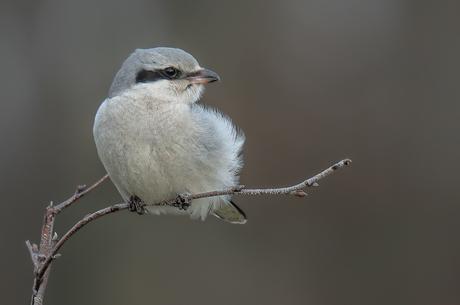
(182, 202)
(134, 205)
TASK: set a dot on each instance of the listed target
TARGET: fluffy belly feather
(153, 165)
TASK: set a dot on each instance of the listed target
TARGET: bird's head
(166, 74)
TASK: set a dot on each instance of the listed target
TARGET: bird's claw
(182, 202)
(134, 205)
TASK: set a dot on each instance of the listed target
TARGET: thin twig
(42, 270)
(33, 249)
(88, 218)
(291, 189)
(122, 206)
(41, 255)
(285, 190)
(80, 192)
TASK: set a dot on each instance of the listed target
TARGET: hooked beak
(203, 76)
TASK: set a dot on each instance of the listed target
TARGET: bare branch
(80, 192)
(33, 249)
(292, 190)
(237, 191)
(50, 244)
(88, 218)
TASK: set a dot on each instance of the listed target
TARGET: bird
(157, 143)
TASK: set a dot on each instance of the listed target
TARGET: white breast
(157, 150)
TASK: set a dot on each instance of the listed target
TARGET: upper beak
(203, 76)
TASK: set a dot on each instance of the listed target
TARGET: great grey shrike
(157, 143)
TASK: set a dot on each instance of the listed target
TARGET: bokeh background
(310, 83)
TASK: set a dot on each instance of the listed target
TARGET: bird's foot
(134, 205)
(182, 202)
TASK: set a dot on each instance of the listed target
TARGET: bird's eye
(170, 72)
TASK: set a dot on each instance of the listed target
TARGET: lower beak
(203, 76)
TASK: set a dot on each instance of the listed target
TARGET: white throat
(169, 91)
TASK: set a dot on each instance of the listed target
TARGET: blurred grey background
(310, 83)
